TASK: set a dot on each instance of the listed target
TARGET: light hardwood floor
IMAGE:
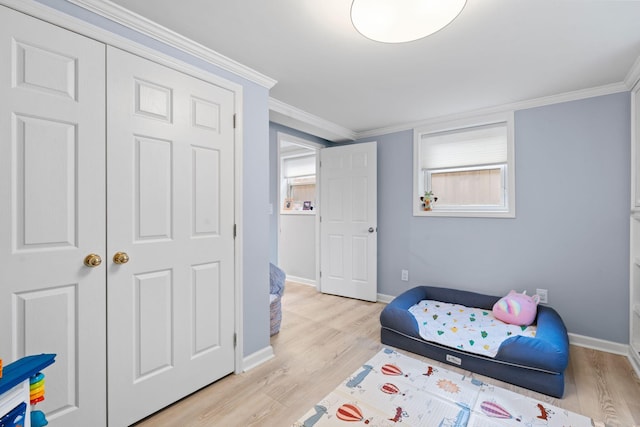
(325, 338)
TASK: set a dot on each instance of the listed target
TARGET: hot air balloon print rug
(392, 388)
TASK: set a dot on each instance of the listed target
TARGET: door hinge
(321, 273)
(234, 121)
(235, 231)
(235, 339)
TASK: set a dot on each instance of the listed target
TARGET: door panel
(46, 181)
(52, 214)
(153, 190)
(170, 197)
(348, 227)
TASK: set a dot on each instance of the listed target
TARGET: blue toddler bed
(535, 363)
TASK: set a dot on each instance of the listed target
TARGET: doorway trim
(316, 147)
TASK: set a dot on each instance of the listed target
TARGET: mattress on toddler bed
(470, 329)
(537, 363)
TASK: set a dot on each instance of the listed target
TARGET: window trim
(419, 174)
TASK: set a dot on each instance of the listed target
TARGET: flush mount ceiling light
(399, 21)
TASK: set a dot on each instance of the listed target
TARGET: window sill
(313, 212)
(464, 214)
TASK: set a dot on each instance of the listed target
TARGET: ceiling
(496, 52)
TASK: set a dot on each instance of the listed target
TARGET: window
(299, 182)
(297, 162)
(468, 165)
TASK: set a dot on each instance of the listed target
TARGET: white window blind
(299, 166)
(476, 146)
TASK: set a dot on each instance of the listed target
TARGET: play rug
(392, 388)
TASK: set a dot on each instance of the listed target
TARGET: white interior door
(170, 198)
(52, 211)
(348, 221)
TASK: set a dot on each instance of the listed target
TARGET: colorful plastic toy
(16, 375)
(36, 395)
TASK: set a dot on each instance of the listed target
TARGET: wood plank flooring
(325, 338)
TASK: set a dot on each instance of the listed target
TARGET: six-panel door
(170, 152)
(348, 224)
(52, 211)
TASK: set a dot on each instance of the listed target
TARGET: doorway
(297, 208)
(325, 225)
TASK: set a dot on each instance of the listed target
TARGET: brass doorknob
(92, 260)
(120, 258)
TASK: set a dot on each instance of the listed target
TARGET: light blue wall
(571, 233)
(274, 128)
(255, 191)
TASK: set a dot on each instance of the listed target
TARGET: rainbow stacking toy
(36, 395)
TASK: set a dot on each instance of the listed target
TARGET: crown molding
(633, 76)
(151, 29)
(522, 105)
(288, 115)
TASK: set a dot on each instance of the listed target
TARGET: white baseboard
(635, 362)
(598, 344)
(257, 358)
(385, 298)
(301, 280)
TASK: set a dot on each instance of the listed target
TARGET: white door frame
(56, 17)
(316, 147)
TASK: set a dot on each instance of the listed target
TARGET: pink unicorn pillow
(517, 309)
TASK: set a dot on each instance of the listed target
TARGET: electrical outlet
(405, 275)
(543, 294)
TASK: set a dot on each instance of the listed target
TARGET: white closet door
(52, 211)
(170, 192)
